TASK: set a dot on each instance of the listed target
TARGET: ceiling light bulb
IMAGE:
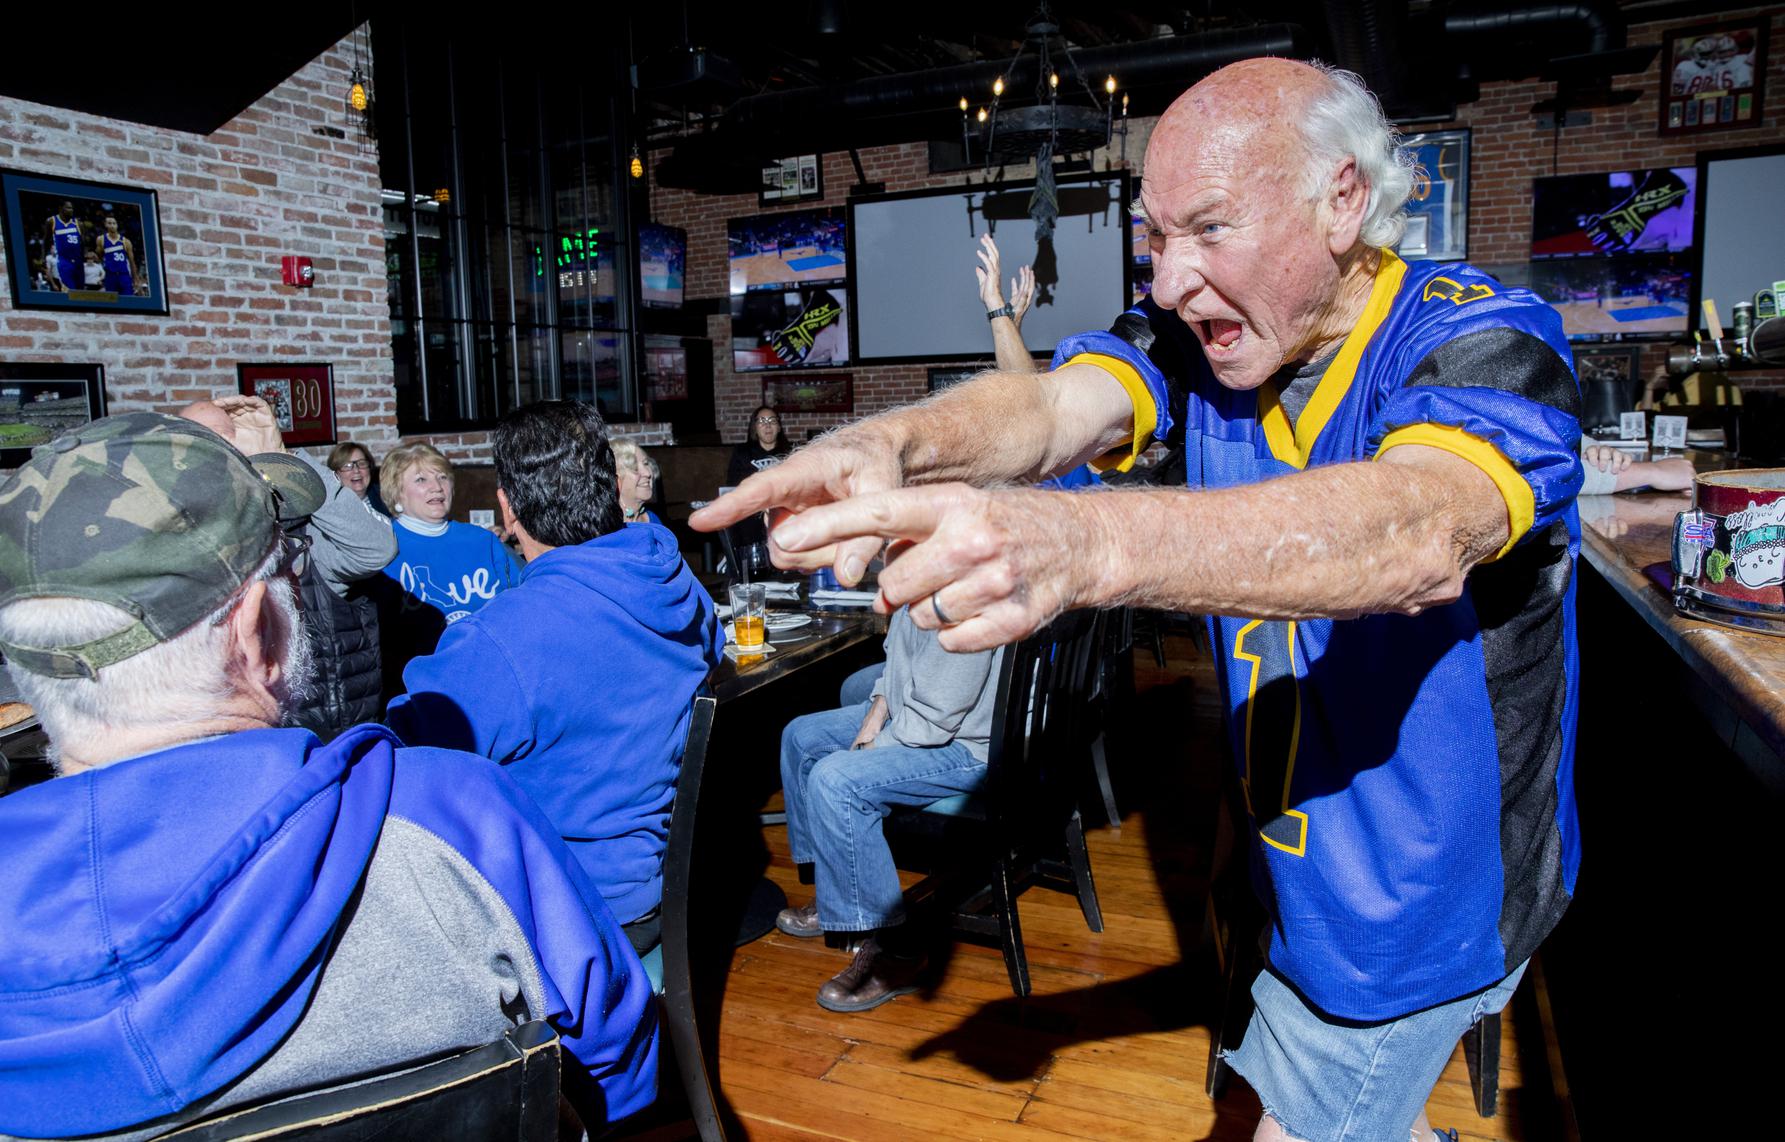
(998, 86)
(1053, 80)
(982, 114)
(1109, 85)
(963, 104)
(638, 166)
(356, 97)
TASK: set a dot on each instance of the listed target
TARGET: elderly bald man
(1383, 531)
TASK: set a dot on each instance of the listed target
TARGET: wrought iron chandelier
(1048, 127)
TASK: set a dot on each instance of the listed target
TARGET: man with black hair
(580, 680)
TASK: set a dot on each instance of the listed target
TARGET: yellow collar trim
(1294, 447)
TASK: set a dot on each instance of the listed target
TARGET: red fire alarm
(297, 271)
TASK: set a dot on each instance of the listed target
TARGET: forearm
(1007, 346)
(1338, 541)
(1041, 426)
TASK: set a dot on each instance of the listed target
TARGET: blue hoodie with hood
(580, 682)
(166, 923)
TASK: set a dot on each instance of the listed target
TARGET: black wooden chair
(669, 964)
(1024, 824)
(503, 1090)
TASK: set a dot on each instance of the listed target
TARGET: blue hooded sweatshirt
(165, 922)
(580, 682)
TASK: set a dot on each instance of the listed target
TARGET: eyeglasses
(768, 420)
(354, 466)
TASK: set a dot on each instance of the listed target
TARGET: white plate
(778, 623)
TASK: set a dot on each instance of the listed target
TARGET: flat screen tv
(1641, 298)
(916, 297)
(791, 328)
(1622, 212)
(1741, 243)
(662, 256)
(782, 251)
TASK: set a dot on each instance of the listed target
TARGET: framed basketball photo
(1714, 77)
(83, 246)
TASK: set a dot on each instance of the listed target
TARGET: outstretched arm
(1397, 535)
(998, 428)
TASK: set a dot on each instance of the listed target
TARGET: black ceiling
(193, 67)
(190, 67)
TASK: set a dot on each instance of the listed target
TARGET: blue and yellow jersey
(1410, 778)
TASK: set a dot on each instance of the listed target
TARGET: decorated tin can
(1729, 550)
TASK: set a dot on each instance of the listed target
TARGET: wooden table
(1744, 672)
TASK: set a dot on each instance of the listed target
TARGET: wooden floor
(1114, 1041)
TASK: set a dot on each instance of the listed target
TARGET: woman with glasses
(764, 446)
(352, 465)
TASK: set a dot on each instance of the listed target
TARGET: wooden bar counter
(1743, 672)
(1661, 984)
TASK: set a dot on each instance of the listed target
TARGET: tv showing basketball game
(1623, 212)
(662, 256)
(781, 251)
(776, 329)
(1615, 299)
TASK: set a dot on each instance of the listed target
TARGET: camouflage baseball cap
(153, 514)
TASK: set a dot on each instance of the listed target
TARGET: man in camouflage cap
(149, 513)
(204, 910)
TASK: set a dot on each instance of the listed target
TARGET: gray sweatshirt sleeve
(349, 540)
(931, 694)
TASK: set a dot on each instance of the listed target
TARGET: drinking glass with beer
(749, 604)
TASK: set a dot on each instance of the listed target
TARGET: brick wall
(231, 203)
(1508, 151)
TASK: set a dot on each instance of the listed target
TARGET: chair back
(678, 973)
(1040, 732)
(503, 1090)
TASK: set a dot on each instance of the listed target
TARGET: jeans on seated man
(204, 910)
(580, 680)
(922, 736)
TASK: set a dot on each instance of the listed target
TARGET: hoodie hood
(639, 568)
(166, 918)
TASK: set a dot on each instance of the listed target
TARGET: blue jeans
(1345, 1082)
(859, 687)
(838, 799)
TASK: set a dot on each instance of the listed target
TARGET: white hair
(1346, 121)
(186, 679)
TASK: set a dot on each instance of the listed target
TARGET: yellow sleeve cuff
(1521, 505)
(1146, 416)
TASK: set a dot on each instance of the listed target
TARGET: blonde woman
(636, 475)
(443, 570)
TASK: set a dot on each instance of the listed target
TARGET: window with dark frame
(505, 235)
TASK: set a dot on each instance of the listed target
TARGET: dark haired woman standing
(764, 447)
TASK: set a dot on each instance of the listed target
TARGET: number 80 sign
(302, 399)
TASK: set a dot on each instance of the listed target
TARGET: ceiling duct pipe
(1601, 25)
(923, 105)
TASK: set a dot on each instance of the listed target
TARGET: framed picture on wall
(798, 179)
(1714, 76)
(302, 397)
(1438, 212)
(815, 392)
(39, 402)
(83, 246)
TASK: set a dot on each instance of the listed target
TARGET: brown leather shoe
(801, 921)
(872, 978)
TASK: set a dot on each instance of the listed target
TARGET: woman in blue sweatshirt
(443, 571)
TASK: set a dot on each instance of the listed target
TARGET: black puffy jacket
(348, 686)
